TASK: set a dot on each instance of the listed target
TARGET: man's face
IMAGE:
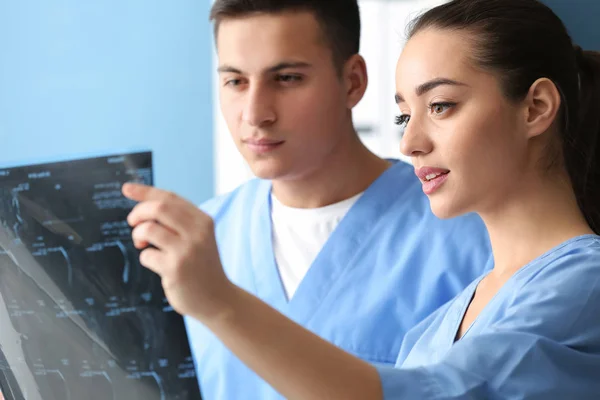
(282, 98)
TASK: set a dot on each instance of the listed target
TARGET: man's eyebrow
(228, 68)
(275, 68)
(287, 64)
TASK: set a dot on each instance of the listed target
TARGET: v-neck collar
(336, 256)
(470, 292)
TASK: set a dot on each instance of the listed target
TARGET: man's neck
(343, 176)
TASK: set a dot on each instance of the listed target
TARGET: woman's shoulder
(572, 261)
(559, 293)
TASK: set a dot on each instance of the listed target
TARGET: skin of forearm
(294, 361)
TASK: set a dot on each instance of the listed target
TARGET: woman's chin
(444, 209)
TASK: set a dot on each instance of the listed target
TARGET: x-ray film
(80, 318)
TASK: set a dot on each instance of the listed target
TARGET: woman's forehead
(434, 54)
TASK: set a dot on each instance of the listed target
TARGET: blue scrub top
(538, 338)
(388, 265)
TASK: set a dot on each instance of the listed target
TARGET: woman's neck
(538, 216)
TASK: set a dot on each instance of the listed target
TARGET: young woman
(501, 116)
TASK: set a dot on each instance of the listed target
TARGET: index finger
(140, 192)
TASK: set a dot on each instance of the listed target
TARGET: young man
(334, 237)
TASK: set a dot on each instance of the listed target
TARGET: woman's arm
(296, 362)
(544, 344)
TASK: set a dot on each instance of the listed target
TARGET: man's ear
(355, 79)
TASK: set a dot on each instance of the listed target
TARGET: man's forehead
(289, 35)
(268, 57)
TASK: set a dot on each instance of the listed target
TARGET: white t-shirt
(299, 234)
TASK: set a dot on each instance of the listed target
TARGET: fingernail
(127, 186)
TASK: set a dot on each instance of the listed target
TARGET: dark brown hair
(338, 19)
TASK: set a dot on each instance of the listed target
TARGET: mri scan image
(80, 318)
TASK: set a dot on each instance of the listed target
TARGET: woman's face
(467, 141)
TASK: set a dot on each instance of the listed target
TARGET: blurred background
(82, 78)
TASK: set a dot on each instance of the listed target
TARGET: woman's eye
(440, 108)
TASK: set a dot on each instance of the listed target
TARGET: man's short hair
(339, 19)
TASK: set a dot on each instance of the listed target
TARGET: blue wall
(581, 19)
(98, 76)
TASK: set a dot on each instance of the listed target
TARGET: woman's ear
(542, 104)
